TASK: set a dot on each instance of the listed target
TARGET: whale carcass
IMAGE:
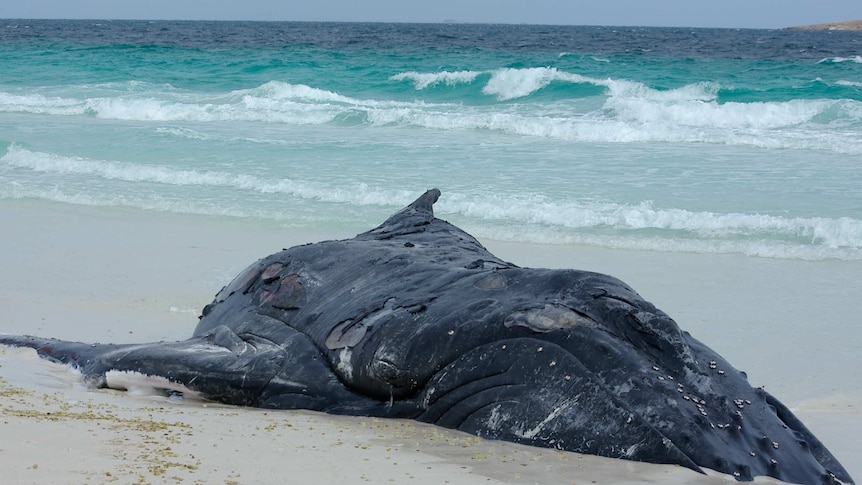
(416, 319)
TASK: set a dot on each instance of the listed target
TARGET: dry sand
(95, 274)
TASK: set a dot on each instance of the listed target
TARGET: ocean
(660, 139)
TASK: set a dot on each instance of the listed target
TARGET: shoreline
(124, 275)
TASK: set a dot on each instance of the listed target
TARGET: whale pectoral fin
(534, 392)
(307, 381)
(75, 354)
(219, 365)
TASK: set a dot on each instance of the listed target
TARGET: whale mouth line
(140, 384)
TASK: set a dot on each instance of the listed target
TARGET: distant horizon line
(817, 26)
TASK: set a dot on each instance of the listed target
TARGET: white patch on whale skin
(199, 347)
(496, 418)
(145, 385)
(195, 348)
(531, 433)
(344, 366)
(630, 451)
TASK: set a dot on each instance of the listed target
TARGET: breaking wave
(838, 60)
(638, 226)
(422, 80)
(627, 111)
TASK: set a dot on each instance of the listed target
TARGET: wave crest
(510, 83)
(422, 80)
(513, 83)
(839, 60)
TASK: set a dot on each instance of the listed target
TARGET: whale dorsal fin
(425, 202)
(419, 213)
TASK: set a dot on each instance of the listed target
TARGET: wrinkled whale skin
(416, 319)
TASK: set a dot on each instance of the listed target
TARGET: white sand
(94, 274)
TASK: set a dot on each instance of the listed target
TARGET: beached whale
(416, 319)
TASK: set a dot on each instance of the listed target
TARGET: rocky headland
(852, 25)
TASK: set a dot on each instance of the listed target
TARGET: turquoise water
(708, 141)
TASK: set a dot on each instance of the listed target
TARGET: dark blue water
(654, 41)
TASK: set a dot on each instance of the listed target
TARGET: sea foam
(629, 111)
(634, 226)
(508, 83)
(358, 194)
(422, 80)
(838, 60)
(512, 83)
(831, 233)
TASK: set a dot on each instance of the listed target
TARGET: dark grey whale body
(416, 319)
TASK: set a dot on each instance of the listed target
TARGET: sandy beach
(122, 275)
